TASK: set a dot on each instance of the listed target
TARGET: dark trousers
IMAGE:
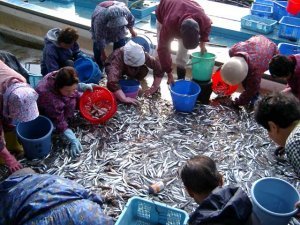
(97, 52)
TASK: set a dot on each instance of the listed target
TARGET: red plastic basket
(220, 87)
(101, 98)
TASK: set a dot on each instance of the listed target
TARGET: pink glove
(122, 98)
(154, 87)
(10, 160)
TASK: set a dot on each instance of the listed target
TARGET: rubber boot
(12, 143)
(181, 73)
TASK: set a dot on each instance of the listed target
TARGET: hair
(281, 108)
(67, 35)
(66, 76)
(281, 66)
(200, 175)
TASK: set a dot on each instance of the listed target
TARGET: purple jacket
(257, 51)
(55, 106)
(294, 81)
(54, 57)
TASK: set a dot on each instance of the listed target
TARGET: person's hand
(83, 87)
(10, 160)
(151, 91)
(202, 48)
(103, 57)
(133, 32)
(297, 205)
(131, 101)
(170, 79)
(75, 148)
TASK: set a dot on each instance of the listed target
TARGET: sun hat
(134, 54)
(20, 102)
(234, 71)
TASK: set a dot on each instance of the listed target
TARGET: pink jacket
(171, 13)
(257, 51)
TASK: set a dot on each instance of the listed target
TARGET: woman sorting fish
(287, 68)
(133, 61)
(110, 21)
(58, 98)
(18, 104)
(249, 60)
(29, 198)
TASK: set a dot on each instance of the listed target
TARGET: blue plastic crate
(258, 24)
(279, 10)
(145, 10)
(289, 27)
(34, 79)
(146, 212)
(262, 10)
(264, 2)
(288, 49)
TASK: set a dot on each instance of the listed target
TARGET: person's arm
(251, 86)
(164, 53)
(154, 64)
(51, 60)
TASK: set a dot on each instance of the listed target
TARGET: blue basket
(258, 24)
(34, 79)
(288, 49)
(262, 10)
(129, 86)
(147, 8)
(279, 10)
(264, 2)
(289, 27)
(146, 212)
(87, 70)
(184, 95)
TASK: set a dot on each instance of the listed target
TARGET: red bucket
(293, 6)
(97, 106)
(220, 87)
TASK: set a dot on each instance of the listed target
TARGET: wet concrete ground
(150, 142)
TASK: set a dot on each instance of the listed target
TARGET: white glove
(82, 87)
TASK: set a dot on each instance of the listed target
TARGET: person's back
(61, 49)
(47, 199)
(228, 205)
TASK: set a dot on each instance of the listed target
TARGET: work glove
(10, 160)
(75, 147)
(122, 98)
(154, 87)
(82, 87)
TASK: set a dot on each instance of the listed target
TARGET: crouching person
(279, 114)
(29, 198)
(218, 205)
(58, 98)
(133, 61)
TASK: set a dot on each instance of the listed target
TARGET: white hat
(134, 54)
(234, 71)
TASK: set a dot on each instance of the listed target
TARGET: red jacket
(171, 13)
(257, 51)
(294, 80)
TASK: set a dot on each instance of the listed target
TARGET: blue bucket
(146, 42)
(87, 70)
(129, 86)
(35, 136)
(274, 201)
(184, 95)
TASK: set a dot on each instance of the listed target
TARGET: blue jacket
(55, 57)
(227, 205)
(45, 199)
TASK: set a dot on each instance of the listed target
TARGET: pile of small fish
(96, 112)
(142, 145)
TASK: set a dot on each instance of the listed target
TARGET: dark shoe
(181, 73)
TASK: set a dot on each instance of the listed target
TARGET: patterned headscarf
(19, 102)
